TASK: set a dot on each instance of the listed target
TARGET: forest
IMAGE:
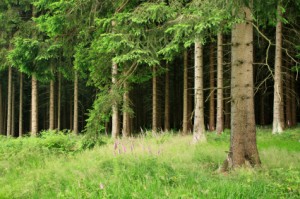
(149, 99)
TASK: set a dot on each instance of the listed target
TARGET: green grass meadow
(58, 165)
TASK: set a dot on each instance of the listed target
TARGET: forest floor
(162, 166)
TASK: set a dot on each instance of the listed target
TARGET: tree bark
(154, 100)
(9, 102)
(126, 117)
(220, 103)
(21, 106)
(185, 94)
(167, 99)
(278, 117)
(51, 105)
(13, 99)
(211, 90)
(34, 106)
(243, 146)
(59, 103)
(115, 109)
(199, 128)
(75, 119)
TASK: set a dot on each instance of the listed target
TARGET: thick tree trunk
(9, 102)
(199, 128)
(51, 106)
(185, 94)
(154, 100)
(211, 89)
(59, 103)
(278, 117)
(126, 117)
(243, 146)
(220, 104)
(115, 109)
(21, 107)
(1, 112)
(75, 119)
(34, 106)
(167, 99)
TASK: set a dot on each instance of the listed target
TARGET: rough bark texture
(21, 106)
(220, 104)
(59, 103)
(34, 106)
(75, 119)
(126, 117)
(199, 128)
(278, 118)
(154, 101)
(9, 100)
(211, 89)
(115, 110)
(51, 106)
(167, 100)
(185, 130)
(243, 146)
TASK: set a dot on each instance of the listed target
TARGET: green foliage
(147, 167)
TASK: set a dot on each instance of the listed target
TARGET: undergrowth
(165, 165)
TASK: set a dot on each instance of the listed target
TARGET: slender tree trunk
(59, 103)
(1, 111)
(34, 106)
(278, 118)
(211, 90)
(51, 105)
(199, 128)
(9, 102)
(13, 133)
(75, 119)
(154, 101)
(21, 106)
(243, 146)
(71, 111)
(167, 99)
(126, 117)
(220, 103)
(185, 93)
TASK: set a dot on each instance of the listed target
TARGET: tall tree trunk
(199, 128)
(21, 106)
(185, 94)
(115, 110)
(154, 100)
(167, 99)
(211, 90)
(243, 146)
(9, 102)
(34, 106)
(59, 103)
(51, 105)
(1, 111)
(278, 117)
(71, 111)
(13, 99)
(220, 103)
(126, 117)
(75, 119)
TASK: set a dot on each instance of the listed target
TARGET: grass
(163, 166)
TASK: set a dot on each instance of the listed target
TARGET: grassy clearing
(164, 166)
